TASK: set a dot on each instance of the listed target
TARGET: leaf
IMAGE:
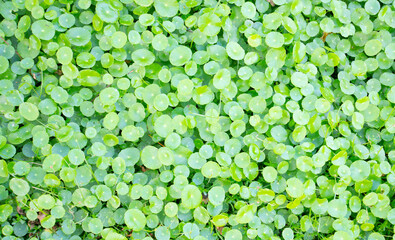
(245, 214)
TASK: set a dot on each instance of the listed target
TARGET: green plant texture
(197, 119)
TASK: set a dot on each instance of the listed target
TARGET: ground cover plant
(197, 119)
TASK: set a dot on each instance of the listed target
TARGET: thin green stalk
(40, 189)
(34, 202)
(165, 29)
(89, 166)
(42, 83)
(30, 86)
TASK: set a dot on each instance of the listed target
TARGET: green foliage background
(197, 119)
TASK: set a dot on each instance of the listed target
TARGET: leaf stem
(17, 53)
(44, 190)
